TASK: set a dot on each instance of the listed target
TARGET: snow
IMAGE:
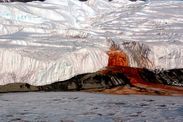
(82, 107)
(44, 42)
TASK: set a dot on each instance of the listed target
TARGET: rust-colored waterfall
(142, 81)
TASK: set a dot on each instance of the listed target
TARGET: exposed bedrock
(165, 82)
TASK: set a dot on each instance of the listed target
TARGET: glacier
(54, 40)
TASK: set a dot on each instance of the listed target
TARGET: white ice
(44, 42)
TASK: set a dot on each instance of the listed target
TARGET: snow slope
(44, 42)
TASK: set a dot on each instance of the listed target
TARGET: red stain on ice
(118, 63)
(138, 82)
(117, 58)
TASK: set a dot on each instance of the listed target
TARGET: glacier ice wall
(44, 42)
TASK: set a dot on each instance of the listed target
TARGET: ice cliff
(44, 42)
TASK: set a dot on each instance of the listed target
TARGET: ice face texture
(44, 42)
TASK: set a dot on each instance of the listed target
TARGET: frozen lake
(88, 107)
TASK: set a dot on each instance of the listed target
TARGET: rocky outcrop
(118, 80)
